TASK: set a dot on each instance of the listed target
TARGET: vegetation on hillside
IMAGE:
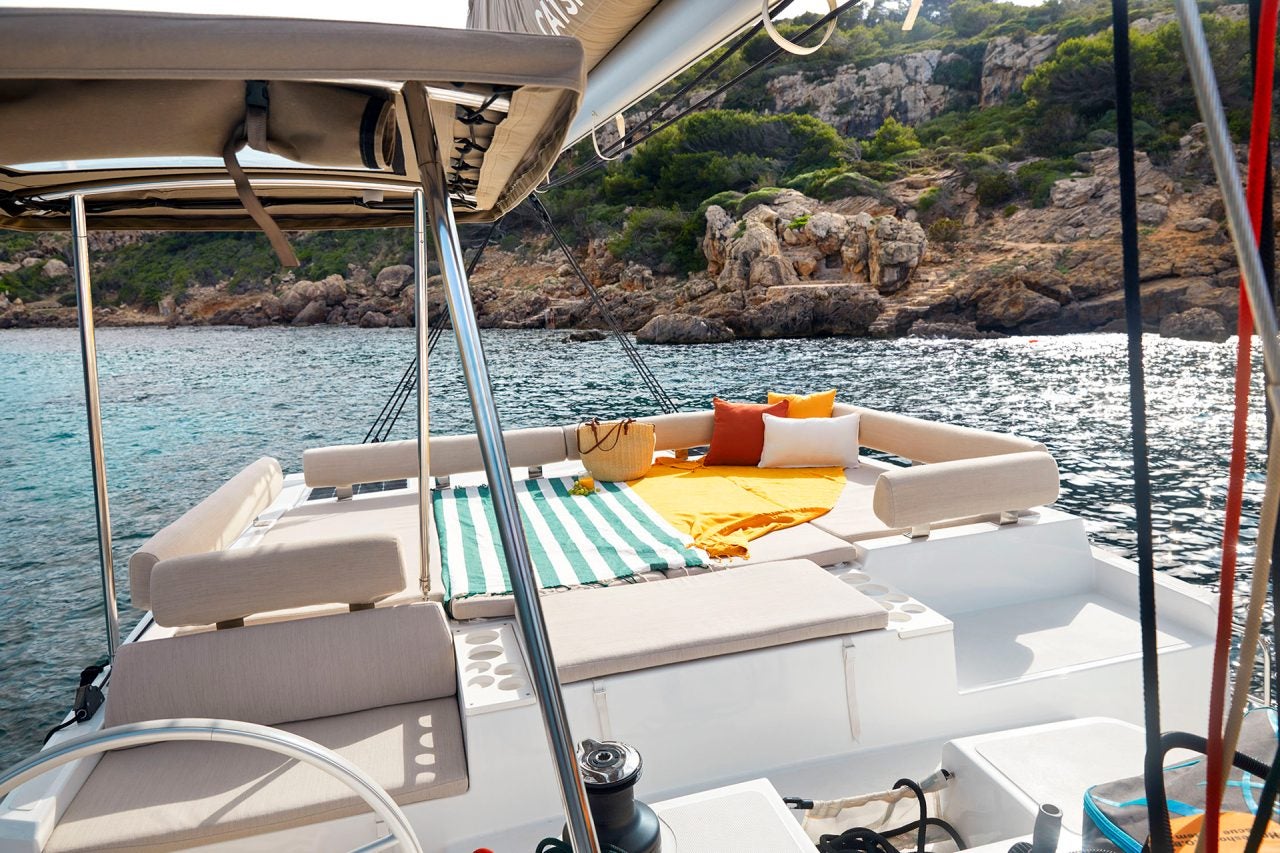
(650, 206)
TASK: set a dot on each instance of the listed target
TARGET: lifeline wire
(1158, 815)
(1228, 176)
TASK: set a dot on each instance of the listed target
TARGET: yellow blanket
(723, 507)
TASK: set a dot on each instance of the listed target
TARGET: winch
(610, 770)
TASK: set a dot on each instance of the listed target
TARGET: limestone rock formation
(683, 329)
(1195, 324)
(1008, 61)
(856, 101)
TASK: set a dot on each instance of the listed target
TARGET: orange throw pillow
(737, 436)
(818, 405)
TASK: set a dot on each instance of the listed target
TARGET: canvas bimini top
(148, 115)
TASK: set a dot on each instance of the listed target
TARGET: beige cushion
(202, 589)
(683, 619)
(927, 441)
(923, 494)
(210, 525)
(392, 514)
(455, 454)
(348, 464)
(175, 795)
(853, 518)
(287, 671)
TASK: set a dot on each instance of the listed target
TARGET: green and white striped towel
(573, 540)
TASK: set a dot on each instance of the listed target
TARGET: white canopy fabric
(96, 102)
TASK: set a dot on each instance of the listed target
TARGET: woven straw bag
(616, 451)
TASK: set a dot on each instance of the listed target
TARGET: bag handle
(615, 431)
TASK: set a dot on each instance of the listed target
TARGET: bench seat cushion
(683, 619)
(853, 518)
(170, 796)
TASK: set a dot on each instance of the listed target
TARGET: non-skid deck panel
(1032, 638)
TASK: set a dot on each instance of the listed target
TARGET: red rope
(1259, 138)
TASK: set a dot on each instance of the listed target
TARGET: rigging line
(386, 419)
(1266, 805)
(1158, 813)
(659, 393)
(591, 165)
(1259, 148)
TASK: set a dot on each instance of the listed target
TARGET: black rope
(386, 420)
(1157, 805)
(659, 393)
(632, 141)
(1266, 805)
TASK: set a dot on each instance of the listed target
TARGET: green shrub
(799, 222)
(1009, 210)
(995, 187)
(657, 237)
(893, 138)
(764, 195)
(1037, 179)
(945, 230)
(928, 199)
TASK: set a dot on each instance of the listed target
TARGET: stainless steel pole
(93, 408)
(529, 617)
(424, 445)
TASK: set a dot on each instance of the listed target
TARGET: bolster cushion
(287, 671)
(928, 441)
(211, 525)
(347, 464)
(201, 589)
(457, 454)
(925, 494)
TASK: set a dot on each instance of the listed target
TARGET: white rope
(620, 123)
(786, 44)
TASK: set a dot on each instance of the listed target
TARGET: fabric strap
(254, 133)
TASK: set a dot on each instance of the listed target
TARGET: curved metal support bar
(223, 731)
(93, 409)
(785, 43)
(434, 200)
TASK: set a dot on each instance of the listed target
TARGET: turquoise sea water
(184, 409)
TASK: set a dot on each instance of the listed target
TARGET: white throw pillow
(810, 442)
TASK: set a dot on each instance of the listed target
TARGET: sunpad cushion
(171, 796)
(684, 619)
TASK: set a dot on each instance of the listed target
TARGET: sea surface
(184, 409)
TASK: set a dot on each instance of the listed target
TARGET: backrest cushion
(929, 441)
(347, 464)
(210, 525)
(456, 454)
(281, 672)
(807, 405)
(738, 435)
(810, 442)
(202, 589)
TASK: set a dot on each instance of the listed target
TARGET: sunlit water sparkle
(184, 409)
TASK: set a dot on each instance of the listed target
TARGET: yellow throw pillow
(807, 405)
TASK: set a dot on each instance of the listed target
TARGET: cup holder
(913, 608)
(855, 577)
(896, 597)
(485, 653)
(506, 669)
(511, 683)
(478, 666)
(896, 616)
(480, 681)
(872, 589)
(479, 638)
